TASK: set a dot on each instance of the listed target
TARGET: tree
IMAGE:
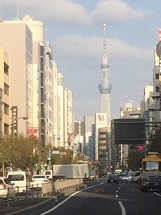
(135, 159)
(17, 151)
(155, 141)
(65, 158)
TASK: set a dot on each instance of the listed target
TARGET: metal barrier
(57, 186)
(47, 189)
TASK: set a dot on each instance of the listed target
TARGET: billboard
(101, 120)
(33, 132)
(128, 131)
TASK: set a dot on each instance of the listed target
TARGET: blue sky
(74, 28)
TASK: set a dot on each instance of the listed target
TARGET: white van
(20, 181)
(136, 176)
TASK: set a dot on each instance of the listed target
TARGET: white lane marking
(52, 209)
(157, 194)
(122, 208)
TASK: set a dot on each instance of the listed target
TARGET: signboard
(101, 119)
(55, 152)
(33, 132)
(128, 131)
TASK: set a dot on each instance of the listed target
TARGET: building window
(6, 89)
(6, 129)
(6, 109)
(41, 51)
(157, 89)
(156, 76)
(41, 64)
(6, 69)
(42, 95)
(42, 79)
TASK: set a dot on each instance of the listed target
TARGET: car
(59, 178)
(136, 176)
(38, 180)
(125, 176)
(113, 178)
(20, 180)
(6, 188)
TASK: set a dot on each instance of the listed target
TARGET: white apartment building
(25, 42)
(155, 98)
(68, 117)
(60, 135)
(16, 40)
(36, 87)
(4, 94)
(51, 98)
(148, 103)
(55, 105)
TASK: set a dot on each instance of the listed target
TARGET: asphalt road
(97, 199)
(108, 199)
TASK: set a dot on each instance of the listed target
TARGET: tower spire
(105, 86)
(104, 39)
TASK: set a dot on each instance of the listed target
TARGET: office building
(4, 94)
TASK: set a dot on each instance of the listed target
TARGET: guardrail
(47, 189)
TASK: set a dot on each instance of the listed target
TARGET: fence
(46, 189)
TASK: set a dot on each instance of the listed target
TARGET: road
(108, 199)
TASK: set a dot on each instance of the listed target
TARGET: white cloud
(91, 47)
(69, 12)
(116, 10)
(61, 11)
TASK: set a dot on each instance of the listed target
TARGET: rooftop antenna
(18, 11)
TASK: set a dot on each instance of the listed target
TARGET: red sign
(33, 132)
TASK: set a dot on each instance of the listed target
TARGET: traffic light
(139, 148)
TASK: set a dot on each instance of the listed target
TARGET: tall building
(60, 134)
(4, 94)
(38, 60)
(31, 65)
(16, 40)
(105, 86)
(36, 90)
(89, 141)
(50, 99)
(68, 117)
(155, 108)
(148, 104)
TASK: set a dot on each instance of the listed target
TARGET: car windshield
(39, 177)
(123, 174)
(18, 177)
(47, 173)
(7, 181)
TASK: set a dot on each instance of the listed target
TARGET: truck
(69, 170)
(151, 172)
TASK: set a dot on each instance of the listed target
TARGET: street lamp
(15, 124)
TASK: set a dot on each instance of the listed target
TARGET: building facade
(4, 94)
